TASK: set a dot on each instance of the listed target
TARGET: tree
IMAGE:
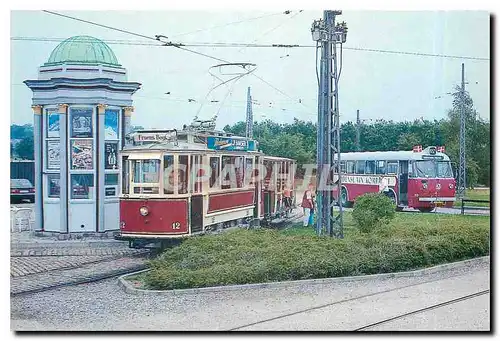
(25, 149)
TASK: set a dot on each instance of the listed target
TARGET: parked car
(21, 190)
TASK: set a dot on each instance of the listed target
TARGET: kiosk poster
(81, 123)
(81, 154)
(111, 125)
(111, 155)
(52, 124)
(53, 154)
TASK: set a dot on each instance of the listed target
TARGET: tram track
(373, 294)
(86, 273)
(432, 307)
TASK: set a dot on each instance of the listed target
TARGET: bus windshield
(433, 169)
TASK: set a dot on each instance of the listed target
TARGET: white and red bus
(419, 179)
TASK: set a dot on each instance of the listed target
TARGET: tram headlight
(424, 185)
(144, 211)
(450, 186)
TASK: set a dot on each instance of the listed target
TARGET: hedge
(256, 256)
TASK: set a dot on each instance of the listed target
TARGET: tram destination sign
(160, 136)
(229, 143)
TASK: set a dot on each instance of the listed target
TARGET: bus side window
(380, 167)
(350, 167)
(370, 167)
(342, 166)
(360, 167)
(392, 167)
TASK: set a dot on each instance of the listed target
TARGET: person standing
(307, 204)
(287, 199)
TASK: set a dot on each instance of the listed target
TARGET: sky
(381, 85)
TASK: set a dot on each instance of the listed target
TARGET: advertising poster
(111, 125)
(81, 123)
(53, 125)
(53, 154)
(81, 154)
(111, 155)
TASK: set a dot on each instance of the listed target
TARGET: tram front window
(444, 169)
(146, 176)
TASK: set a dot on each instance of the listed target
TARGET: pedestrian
(307, 204)
(287, 198)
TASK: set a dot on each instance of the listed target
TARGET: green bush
(257, 256)
(372, 210)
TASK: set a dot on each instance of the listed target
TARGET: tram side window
(239, 170)
(214, 172)
(360, 167)
(183, 174)
(370, 167)
(197, 173)
(380, 167)
(126, 175)
(146, 176)
(248, 171)
(168, 174)
(392, 167)
(228, 164)
(350, 167)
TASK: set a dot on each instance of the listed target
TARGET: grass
(475, 194)
(255, 256)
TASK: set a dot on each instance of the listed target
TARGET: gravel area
(105, 306)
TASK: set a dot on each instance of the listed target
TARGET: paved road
(340, 306)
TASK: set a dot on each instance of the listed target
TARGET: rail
(463, 207)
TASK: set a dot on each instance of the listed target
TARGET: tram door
(257, 182)
(403, 182)
(197, 194)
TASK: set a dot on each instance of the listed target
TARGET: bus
(418, 179)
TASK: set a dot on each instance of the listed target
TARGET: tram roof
(389, 156)
(181, 146)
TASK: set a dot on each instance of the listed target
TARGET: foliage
(20, 132)
(256, 256)
(25, 149)
(298, 140)
(371, 210)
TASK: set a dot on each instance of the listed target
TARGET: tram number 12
(176, 225)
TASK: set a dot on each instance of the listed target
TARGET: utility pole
(249, 130)
(358, 132)
(461, 168)
(328, 141)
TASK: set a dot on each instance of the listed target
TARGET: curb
(128, 288)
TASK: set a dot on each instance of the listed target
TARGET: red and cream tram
(178, 184)
(420, 179)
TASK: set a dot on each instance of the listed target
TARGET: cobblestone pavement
(85, 272)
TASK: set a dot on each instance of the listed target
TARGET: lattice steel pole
(461, 168)
(328, 142)
(249, 128)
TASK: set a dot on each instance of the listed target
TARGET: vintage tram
(182, 183)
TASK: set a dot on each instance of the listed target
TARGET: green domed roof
(82, 50)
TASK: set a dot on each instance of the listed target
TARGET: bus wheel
(343, 198)
(392, 196)
(426, 209)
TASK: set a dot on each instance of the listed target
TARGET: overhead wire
(227, 24)
(249, 45)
